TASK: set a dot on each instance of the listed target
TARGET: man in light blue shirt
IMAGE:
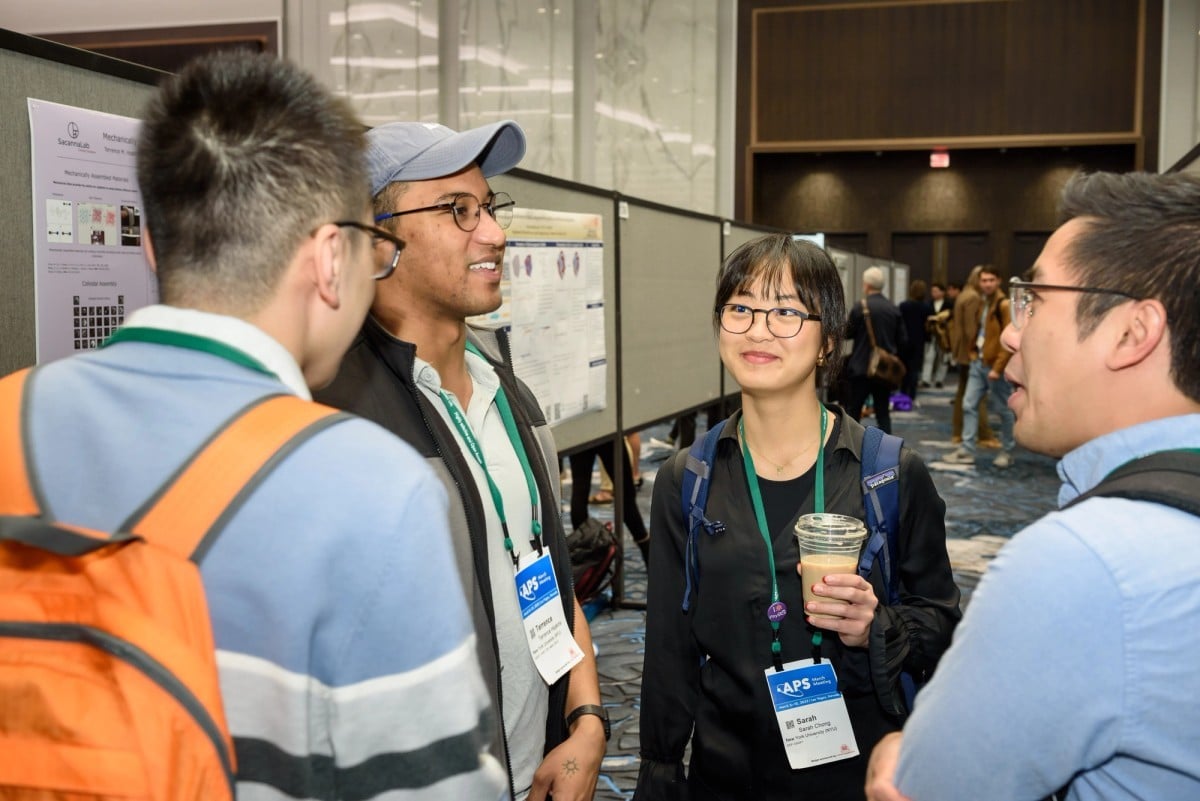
(1074, 670)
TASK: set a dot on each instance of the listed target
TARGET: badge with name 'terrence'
(811, 713)
(553, 648)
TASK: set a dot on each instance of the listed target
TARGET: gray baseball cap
(420, 151)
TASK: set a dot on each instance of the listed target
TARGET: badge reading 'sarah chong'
(811, 713)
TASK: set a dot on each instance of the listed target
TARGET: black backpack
(593, 547)
(1171, 478)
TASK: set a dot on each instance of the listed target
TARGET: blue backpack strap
(697, 472)
(881, 499)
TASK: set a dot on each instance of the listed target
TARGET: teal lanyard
(510, 426)
(778, 610)
(178, 339)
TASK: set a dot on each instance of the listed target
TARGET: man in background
(889, 334)
(344, 645)
(966, 307)
(985, 372)
(446, 388)
(1076, 661)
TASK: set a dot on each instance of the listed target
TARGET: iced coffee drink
(828, 544)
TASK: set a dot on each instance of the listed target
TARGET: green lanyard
(777, 611)
(178, 339)
(510, 426)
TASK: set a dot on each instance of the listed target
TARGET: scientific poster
(553, 289)
(90, 271)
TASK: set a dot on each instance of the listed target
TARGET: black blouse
(704, 670)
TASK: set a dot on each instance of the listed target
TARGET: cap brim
(496, 148)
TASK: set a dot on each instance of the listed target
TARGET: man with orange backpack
(345, 653)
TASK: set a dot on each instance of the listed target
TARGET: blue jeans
(997, 391)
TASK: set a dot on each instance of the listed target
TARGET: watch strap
(591, 709)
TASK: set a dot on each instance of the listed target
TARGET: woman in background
(913, 314)
(779, 314)
(937, 334)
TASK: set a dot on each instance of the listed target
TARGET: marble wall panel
(654, 74)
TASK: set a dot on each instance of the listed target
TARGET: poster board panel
(31, 68)
(532, 191)
(900, 273)
(669, 261)
(844, 262)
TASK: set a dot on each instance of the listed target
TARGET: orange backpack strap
(17, 496)
(191, 509)
(21, 512)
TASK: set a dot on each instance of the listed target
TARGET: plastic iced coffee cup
(828, 544)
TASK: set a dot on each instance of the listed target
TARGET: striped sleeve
(346, 650)
(395, 737)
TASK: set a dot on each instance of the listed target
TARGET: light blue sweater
(346, 652)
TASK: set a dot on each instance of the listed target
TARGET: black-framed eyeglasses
(385, 245)
(1022, 294)
(466, 209)
(783, 322)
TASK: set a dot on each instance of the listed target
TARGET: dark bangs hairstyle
(773, 258)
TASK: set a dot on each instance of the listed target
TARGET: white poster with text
(90, 271)
(553, 290)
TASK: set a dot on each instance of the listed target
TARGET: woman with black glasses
(746, 666)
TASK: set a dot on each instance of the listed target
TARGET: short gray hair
(873, 277)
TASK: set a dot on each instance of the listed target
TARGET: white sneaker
(1003, 460)
(959, 456)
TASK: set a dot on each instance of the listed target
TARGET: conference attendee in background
(779, 317)
(986, 384)
(339, 622)
(582, 463)
(890, 335)
(963, 322)
(937, 330)
(914, 313)
(419, 370)
(1105, 593)
(683, 428)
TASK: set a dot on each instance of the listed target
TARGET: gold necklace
(779, 468)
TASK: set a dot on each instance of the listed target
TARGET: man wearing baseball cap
(419, 370)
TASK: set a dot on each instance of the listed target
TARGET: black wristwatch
(591, 709)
